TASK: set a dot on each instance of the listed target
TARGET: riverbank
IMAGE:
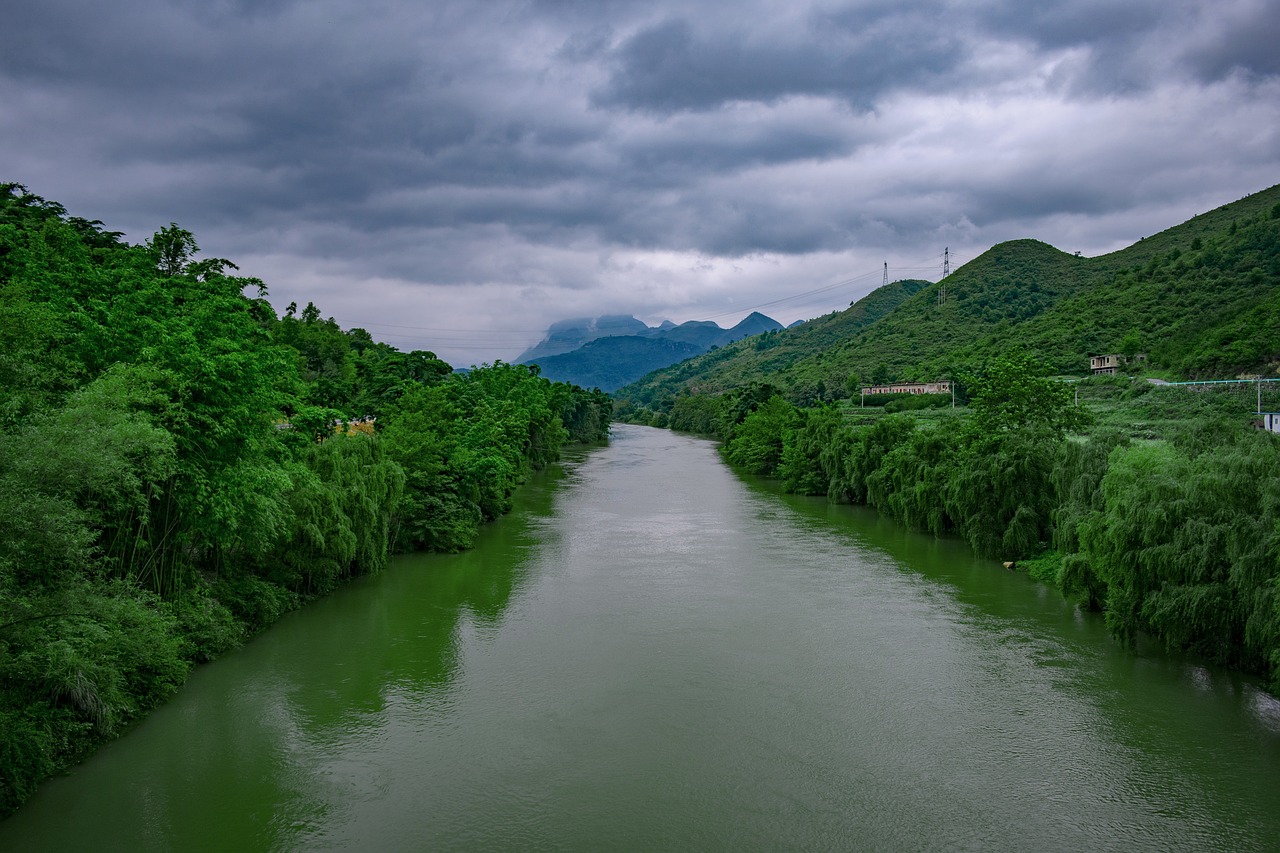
(1155, 506)
(115, 651)
(177, 469)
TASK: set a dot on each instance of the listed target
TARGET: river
(651, 653)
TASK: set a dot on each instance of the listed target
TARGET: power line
(813, 292)
(430, 329)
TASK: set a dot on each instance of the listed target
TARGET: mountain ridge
(1202, 298)
(608, 361)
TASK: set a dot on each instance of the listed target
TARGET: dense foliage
(1174, 534)
(179, 466)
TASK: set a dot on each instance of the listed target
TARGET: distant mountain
(609, 363)
(706, 334)
(754, 323)
(568, 335)
(701, 333)
(610, 358)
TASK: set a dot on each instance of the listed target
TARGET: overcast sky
(455, 176)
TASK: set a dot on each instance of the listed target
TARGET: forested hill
(179, 466)
(1201, 298)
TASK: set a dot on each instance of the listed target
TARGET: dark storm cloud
(1139, 44)
(1246, 40)
(1100, 24)
(584, 156)
(304, 94)
(670, 67)
(676, 160)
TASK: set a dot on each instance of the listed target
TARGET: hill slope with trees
(739, 364)
(1200, 298)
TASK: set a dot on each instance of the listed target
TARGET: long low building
(943, 387)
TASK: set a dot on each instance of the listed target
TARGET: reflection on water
(263, 747)
(652, 653)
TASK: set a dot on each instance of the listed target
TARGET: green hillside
(771, 353)
(1201, 298)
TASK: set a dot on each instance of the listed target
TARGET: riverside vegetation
(1156, 505)
(178, 468)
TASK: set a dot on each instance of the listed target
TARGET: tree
(207, 269)
(853, 385)
(757, 443)
(1013, 393)
(1131, 344)
(172, 248)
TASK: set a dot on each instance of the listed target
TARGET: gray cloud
(670, 66)
(1100, 25)
(501, 165)
(1243, 39)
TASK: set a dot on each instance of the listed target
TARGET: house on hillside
(1111, 363)
(942, 387)
(1105, 363)
(1270, 421)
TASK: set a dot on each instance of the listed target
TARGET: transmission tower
(946, 271)
(885, 279)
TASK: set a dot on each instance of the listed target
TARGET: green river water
(651, 653)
